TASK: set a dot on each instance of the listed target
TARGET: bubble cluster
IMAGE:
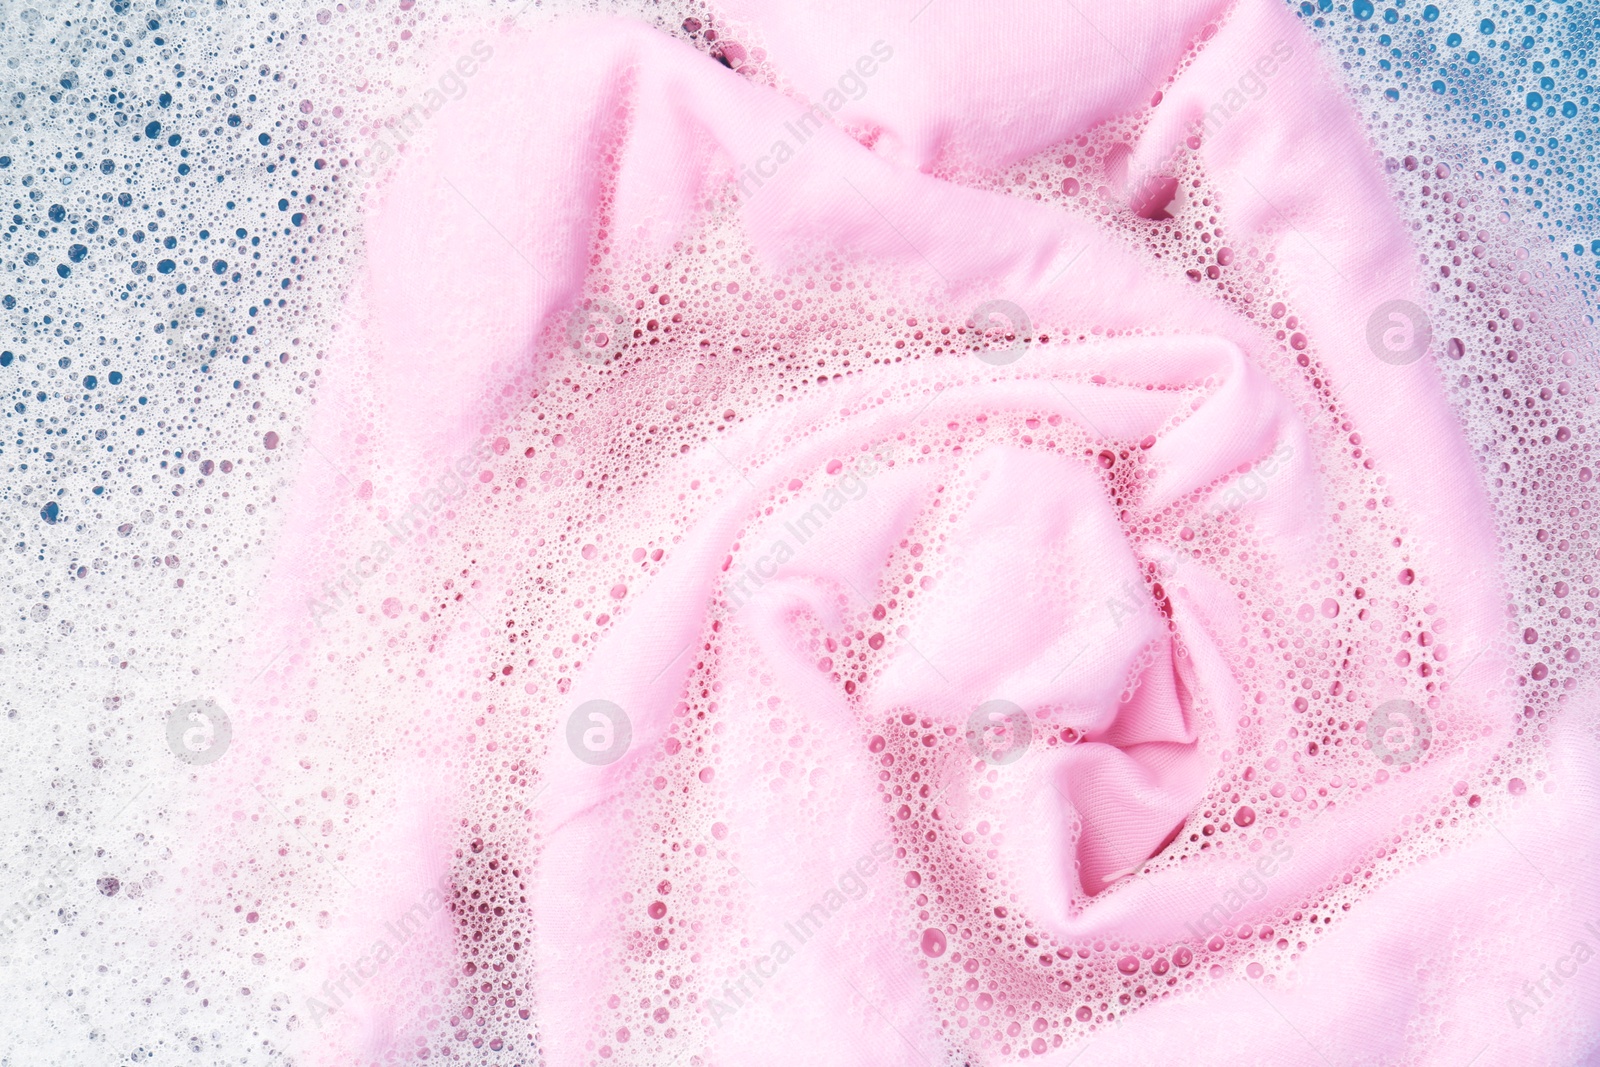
(1513, 80)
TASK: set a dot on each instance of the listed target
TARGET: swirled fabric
(884, 607)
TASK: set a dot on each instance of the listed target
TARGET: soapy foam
(522, 550)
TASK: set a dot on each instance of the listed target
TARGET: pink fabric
(480, 245)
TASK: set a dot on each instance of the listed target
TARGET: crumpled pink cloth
(1122, 645)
